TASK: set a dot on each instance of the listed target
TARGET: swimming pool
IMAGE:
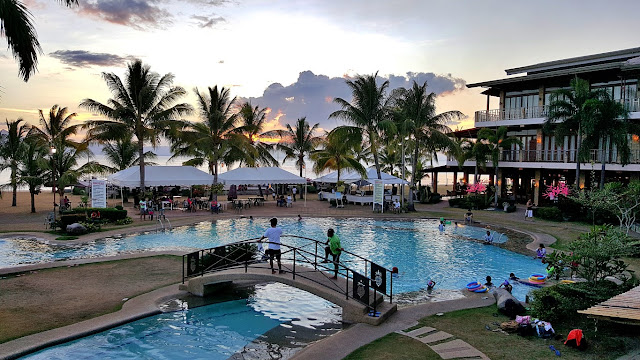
(416, 247)
(274, 321)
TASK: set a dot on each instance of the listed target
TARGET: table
(239, 204)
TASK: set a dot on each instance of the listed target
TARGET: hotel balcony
(532, 115)
(558, 159)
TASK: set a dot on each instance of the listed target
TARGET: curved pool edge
(133, 309)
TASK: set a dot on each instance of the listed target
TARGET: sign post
(98, 193)
(378, 194)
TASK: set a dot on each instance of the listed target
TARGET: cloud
(138, 14)
(312, 95)
(208, 21)
(215, 3)
(83, 58)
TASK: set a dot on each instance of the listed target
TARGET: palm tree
(211, 140)
(418, 113)
(12, 151)
(66, 167)
(367, 112)
(337, 154)
(610, 122)
(123, 153)
(299, 140)
(497, 141)
(568, 116)
(16, 23)
(33, 168)
(391, 159)
(252, 122)
(57, 133)
(143, 105)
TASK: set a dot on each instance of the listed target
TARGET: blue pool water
(416, 247)
(247, 326)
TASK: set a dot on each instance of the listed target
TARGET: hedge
(71, 219)
(549, 213)
(108, 214)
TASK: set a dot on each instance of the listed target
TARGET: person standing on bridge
(336, 249)
(273, 234)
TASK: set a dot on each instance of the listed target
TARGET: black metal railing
(375, 279)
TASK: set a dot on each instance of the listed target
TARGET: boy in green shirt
(335, 248)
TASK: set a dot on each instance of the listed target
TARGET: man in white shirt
(273, 234)
(488, 239)
(396, 206)
(294, 191)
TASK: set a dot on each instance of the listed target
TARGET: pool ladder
(160, 224)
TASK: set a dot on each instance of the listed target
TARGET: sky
(293, 56)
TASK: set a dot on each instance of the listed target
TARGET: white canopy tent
(260, 175)
(351, 176)
(161, 176)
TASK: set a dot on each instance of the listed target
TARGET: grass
(393, 347)
(41, 300)
(469, 325)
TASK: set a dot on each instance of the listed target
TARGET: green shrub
(549, 213)
(71, 219)
(78, 191)
(119, 207)
(561, 302)
(108, 214)
(126, 221)
(457, 202)
(511, 208)
(435, 198)
(311, 189)
(92, 226)
(185, 192)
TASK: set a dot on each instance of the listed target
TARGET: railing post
(201, 267)
(315, 262)
(183, 268)
(391, 290)
(246, 256)
(294, 263)
(347, 280)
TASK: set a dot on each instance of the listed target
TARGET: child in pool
(430, 285)
(441, 226)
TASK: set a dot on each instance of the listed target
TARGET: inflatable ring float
(94, 215)
(537, 278)
(481, 289)
(474, 285)
(567, 281)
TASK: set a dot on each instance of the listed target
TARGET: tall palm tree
(391, 159)
(144, 105)
(211, 140)
(610, 123)
(568, 116)
(12, 151)
(252, 122)
(337, 154)
(299, 140)
(368, 112)
(67, 171)
(17, 26)
(57, 132)
(33, 168)
(497, 141)
(123, 153)
(418, 112)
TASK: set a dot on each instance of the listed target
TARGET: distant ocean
(164, 159)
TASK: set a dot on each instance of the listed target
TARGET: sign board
(193, 263)
(379, 278)
(378, 194)
(360, 288)
(98, 193)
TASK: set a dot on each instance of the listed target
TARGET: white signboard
(378, 194)
(98, 193)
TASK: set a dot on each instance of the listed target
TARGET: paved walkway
(442, 343)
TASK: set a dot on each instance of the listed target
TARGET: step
(419, 331)
(431, 338)
(457, 349)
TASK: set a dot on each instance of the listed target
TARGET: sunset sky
(293, 56)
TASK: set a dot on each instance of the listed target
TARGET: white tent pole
(122, 197)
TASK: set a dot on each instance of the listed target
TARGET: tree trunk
(604, 162)
(14, 182)
(414, 165)
(579, 146)
(475, 173)
(495, 183)
(33, 202)
(374, 152)
(141, 154)
(301, 162)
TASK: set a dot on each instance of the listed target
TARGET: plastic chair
(289, 202)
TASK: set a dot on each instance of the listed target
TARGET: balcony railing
(632, 105)
(562, 156)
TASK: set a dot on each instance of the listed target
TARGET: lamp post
(52, 152)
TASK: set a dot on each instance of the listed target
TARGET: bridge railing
(375, 279)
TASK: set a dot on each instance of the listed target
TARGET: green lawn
(609, 342)
(394, 347)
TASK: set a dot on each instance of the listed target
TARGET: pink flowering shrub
(554, 192)
(476, 188)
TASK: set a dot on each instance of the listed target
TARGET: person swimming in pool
(430, 285)
(441, 226)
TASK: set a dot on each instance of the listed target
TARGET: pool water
(273, 322)
(416, 247)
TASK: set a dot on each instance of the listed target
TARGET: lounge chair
(49, 222)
